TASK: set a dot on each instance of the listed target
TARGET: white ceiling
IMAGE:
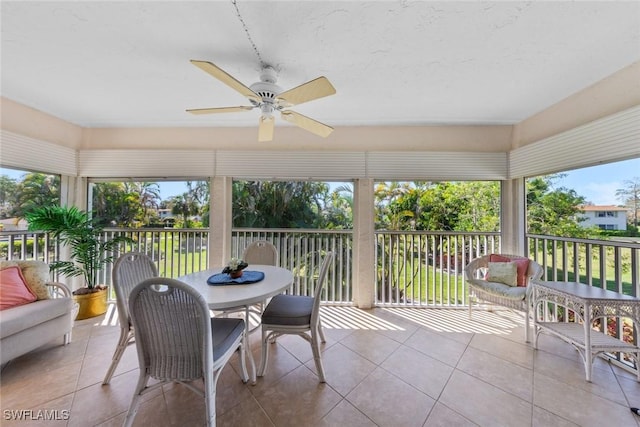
(126, 64)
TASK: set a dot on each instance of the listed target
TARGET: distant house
(13, 224)
(605, 217)
(165, 213)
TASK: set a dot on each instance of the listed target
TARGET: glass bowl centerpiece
(234, 268)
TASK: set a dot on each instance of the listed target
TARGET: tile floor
(385, 367)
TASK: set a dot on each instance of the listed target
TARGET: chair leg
(265, 352)
(117, 355)
(317, 358)
(321, 331)
(135, 400)
(210, 397)
(527, 325)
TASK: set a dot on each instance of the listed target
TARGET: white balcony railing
(425, 268)
(413, 268)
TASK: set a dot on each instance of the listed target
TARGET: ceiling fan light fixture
(267, 110)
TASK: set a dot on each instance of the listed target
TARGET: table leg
(587, 341)
(252, 363)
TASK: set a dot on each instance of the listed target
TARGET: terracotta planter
(91, 305)
(235, 274)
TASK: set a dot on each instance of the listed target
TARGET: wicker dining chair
(298, 315)
(261, 252)
(178, 341)
(128, 270)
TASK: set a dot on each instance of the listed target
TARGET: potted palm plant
(89, 251)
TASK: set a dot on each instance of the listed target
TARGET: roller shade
(22, 152)
(146, 163)
(612, 138)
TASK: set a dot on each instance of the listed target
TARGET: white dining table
(241, 296)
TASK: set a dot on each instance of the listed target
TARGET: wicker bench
(512, 297)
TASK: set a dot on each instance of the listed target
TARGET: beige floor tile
(578, 406)
(484, 403)
(423, 372)
(388, 323)
(373, 346)
(230, 390)
(184, 407)
(504, 348)
(345, 415)
(335, 334)
(371, 356)
(344, 369)
(399, 405)
(153, 412)
(297, 399)
(298, 347)
(437, 346)
(631, 389)
(279, 364)
(116, 421)
(603, 381)
(441, 416)
(51, 356)
(246, 413)
(505, 375)
(554, 345)
(113, 399)
(22, 389)
(543, 418)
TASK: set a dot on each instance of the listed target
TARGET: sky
(597, 184)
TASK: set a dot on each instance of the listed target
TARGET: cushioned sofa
(44, 311)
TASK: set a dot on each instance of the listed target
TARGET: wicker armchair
(512, 297)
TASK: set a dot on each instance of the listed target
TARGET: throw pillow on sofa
(13, 289)
(35, 273)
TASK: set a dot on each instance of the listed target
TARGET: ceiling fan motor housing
(266, 88)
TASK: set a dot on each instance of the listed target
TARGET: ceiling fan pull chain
(246, 30)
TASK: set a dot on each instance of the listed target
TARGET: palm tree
(36, 189)
(185, 206)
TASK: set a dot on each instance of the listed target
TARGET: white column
(73, 192)
(513, 216)
(364, 260)
(220, 220)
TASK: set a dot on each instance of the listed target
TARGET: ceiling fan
(269, 97)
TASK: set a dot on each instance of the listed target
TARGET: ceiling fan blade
(219, 110)
(307, 123)
(227, 79)
(314, 89)
(265, 130)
